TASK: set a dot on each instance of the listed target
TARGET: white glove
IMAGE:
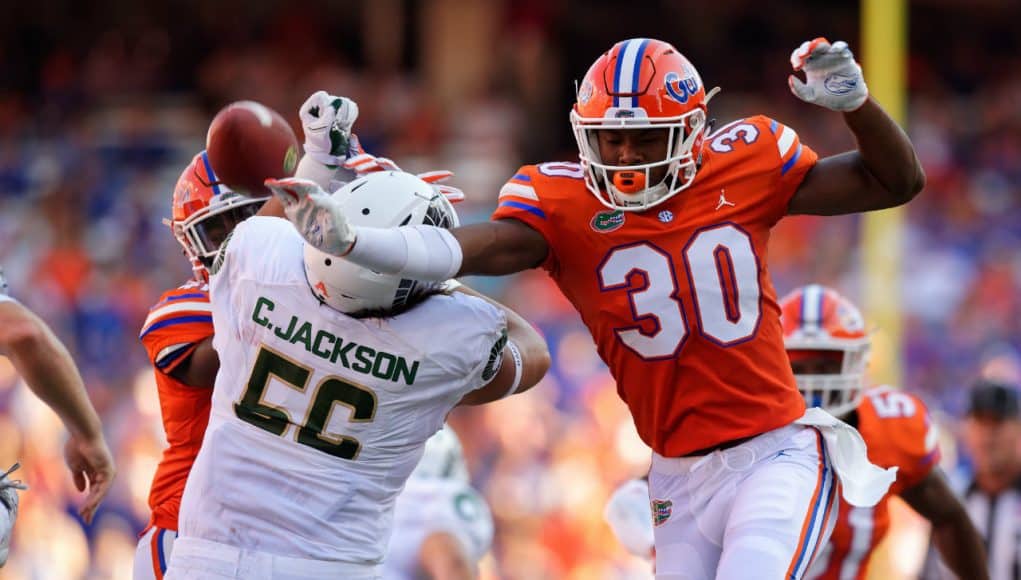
(833, 78)
(315, 214)
(436, 179)
(8, 503)
(327, 120)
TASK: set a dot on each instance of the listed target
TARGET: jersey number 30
(722, 273)
(329, 392)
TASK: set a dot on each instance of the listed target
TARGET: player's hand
(91, 467)
(326, 121)
(365, 163)
(315, 214)
(436, 179)
(833, 78)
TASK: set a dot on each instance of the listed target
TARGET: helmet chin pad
(629, 181)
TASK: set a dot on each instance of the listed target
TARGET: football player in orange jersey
(828, 346)
(177, 336)
(658, 238)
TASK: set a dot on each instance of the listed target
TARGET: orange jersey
(899, 433)
(175, 325)
(677, 297)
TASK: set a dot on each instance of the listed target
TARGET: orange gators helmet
(641, 83)
(822, 327)
(205, 211)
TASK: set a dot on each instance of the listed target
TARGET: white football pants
(759, 510)
(153, 553)
(196, 559)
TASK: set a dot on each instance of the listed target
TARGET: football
(249, 142)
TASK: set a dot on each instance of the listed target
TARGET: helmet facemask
(202, 232)
(684, 144)
(839, 392)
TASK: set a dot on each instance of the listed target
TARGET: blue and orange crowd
(99, 127)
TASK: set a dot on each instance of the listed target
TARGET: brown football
(247, 143)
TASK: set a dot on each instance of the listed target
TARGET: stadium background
(103, 103)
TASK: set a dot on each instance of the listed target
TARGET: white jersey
(428, 506)
(318, 418)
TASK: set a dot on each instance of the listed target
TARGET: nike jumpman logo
(723, 201)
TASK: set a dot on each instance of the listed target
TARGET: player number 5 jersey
(899, 433)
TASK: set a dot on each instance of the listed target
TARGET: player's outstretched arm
(953, 532)
(884, 171)
(47, 368)
(499, 247)
(417, 252)
(441, 558)
(526, 358)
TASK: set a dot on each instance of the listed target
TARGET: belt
(719, 447)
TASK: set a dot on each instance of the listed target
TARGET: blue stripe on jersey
(522, 177)
(179, 320)
(182, 296)
(790, 162)
(178, 297)
(524, 206)
(165, 361)
(772, 126)
(211, 174)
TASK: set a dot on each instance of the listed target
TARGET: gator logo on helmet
(850, 318)
(681, 89)
(586, 91)
(607, 221)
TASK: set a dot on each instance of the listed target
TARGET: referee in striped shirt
(992, 493)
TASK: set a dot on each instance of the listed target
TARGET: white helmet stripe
(629, 64)
(811, 307)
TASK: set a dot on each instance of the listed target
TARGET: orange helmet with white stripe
(205, 211)
(826, 340)
(641, 83)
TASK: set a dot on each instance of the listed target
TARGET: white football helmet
(443, 458)
(384, 199)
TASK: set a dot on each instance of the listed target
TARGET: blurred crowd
(100, 110)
